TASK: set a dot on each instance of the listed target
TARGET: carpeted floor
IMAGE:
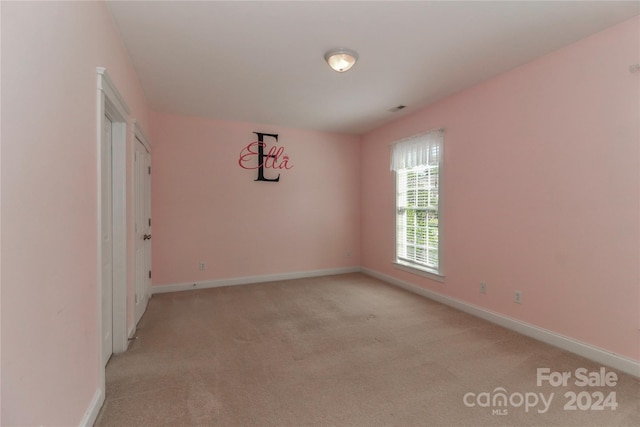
(344, 350)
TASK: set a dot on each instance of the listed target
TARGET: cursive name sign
(253, 157)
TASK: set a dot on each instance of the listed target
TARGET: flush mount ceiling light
(341, 60)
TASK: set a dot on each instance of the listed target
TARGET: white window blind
(417, 163)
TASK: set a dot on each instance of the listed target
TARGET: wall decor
(253, 157)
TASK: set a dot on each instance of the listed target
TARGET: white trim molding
(160, 289)
(110, 101)
(596, 354)
(132, 331)
(139, 133)
(419, 271)
(91, 414)
(106, 85)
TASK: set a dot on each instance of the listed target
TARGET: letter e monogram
(261, 156)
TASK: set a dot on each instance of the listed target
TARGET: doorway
(112, 220)
(106, 235)
(142, 222)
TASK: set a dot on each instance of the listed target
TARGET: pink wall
(205, 207)
(567, 239)
(50, 51)
(541, 192)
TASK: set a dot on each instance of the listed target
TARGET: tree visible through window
(417, 215)
(417, 162)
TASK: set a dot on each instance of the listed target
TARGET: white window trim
(419, 270)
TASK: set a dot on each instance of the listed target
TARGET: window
(417, 162)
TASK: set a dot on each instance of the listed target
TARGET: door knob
(146, 237)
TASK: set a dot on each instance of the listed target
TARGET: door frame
(109, 99)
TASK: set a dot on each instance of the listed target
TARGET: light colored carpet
(344, 350)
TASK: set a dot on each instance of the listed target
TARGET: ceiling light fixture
(341, 60)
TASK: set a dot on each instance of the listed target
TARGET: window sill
(430, 274)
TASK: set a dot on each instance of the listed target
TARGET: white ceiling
(263, 62)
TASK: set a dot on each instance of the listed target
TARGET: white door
(106, 237)
(142, 215)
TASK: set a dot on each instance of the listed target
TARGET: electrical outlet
(483, 288)
(203, 266)
(517, 297)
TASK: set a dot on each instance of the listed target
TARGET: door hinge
(149, 274)
(149, 170)
(149, 222)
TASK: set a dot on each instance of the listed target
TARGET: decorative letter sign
(274, 159)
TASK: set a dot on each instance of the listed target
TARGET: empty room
(320, 213)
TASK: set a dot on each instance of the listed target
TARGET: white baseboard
(93, 410)
(250, 280)
(616, 361)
